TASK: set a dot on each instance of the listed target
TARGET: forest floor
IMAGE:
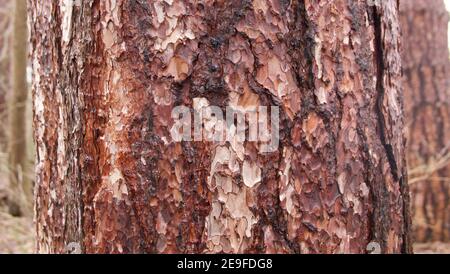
(432, 248)
(17, 234)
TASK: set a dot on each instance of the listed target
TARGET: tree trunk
(427, 93)
(111, 179)
(21, 200)
(5, 47)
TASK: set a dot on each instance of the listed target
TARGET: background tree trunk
(109, 179)
(5, 47)
(21, 197)
(427, 95)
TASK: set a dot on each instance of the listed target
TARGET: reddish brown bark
(110, 180)
(427, 95)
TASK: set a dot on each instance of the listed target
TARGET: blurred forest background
(428, 174)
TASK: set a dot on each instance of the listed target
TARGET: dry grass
(428, 171)
(432, 248)
(16, 234)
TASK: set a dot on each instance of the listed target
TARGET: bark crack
(379, 50)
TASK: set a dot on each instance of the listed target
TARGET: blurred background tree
(20, 201)
(16, 234)
(5, 56)
(427, 92)
(5, 29)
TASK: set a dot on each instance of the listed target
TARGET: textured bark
(21, 200)
(427, 95)
(110, 180)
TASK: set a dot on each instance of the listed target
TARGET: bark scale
(427, 109)
(107, 75)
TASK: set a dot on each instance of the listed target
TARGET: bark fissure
(379, 56)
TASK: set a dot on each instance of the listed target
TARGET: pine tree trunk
(110, 178)
(21, 200)
(427, 95)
